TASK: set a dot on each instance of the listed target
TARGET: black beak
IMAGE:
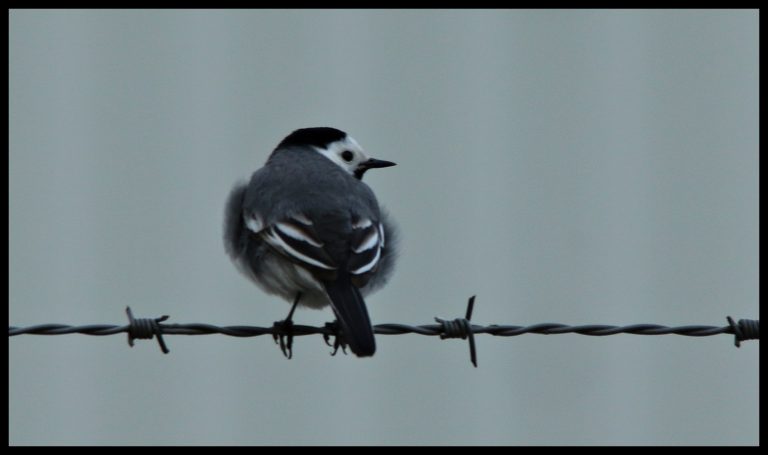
(371, 164)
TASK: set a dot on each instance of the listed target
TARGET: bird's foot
(285, 336)
(338, 339)
(284, 331)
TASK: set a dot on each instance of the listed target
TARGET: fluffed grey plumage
(306, 223)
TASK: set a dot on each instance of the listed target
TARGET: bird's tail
(352, 314)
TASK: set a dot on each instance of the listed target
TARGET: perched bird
(307, 229)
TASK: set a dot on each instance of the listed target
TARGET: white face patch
(336, 152)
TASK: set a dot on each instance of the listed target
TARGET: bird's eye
(347, 156)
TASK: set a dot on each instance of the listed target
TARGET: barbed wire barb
(145, 329)
(461, 328)
(148, 328)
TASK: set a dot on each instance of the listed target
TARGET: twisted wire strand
(147, 328)
(381, 329)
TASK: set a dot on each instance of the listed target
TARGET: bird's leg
(285, 327)
(338, 339)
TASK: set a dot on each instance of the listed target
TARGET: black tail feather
(352, 314)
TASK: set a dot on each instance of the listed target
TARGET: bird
(306, 228)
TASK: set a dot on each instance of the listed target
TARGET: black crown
(319, 137)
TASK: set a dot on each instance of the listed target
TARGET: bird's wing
(296, 238)
(367, 244)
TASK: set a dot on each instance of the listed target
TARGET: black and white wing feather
(367, 245)
(296, 239)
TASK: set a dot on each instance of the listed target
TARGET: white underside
(284, 278)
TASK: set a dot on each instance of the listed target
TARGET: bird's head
(337, 146)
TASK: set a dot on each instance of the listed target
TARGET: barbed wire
(284, 331)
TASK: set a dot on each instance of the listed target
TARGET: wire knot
(145, 329)
(457, 328)
(745, 329)
(461, 328)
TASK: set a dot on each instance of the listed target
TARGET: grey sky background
(565, 166)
